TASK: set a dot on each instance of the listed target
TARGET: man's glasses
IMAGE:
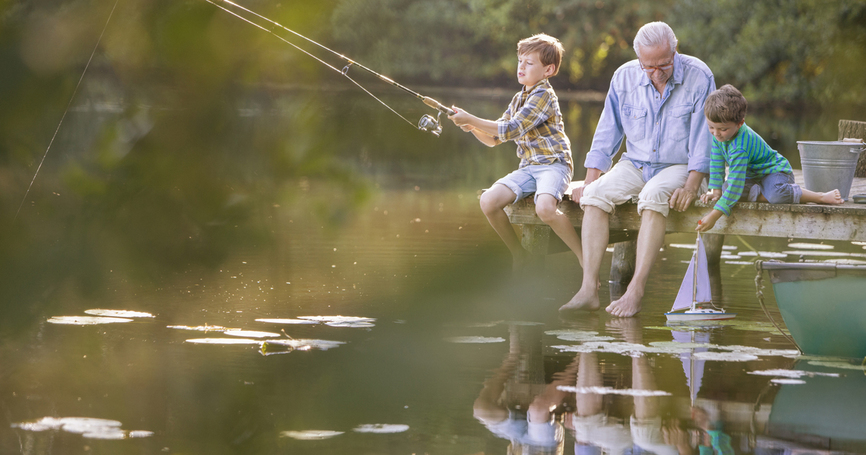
(652, 69)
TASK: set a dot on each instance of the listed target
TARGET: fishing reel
(430, 124)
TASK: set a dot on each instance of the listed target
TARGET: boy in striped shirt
(533, 121)
(756, 171)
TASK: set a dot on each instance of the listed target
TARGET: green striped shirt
(748, 157)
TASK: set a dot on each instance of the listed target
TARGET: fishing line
(67, 109)
(343, 71)
(427, 123)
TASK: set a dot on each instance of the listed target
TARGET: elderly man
(657, 103)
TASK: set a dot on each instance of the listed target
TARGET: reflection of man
(656, 103)
(596, 432)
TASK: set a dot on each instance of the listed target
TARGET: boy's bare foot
(832, 197)
(583, 300)
(627, 306)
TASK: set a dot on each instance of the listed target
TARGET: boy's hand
(460, 117)
(708, 221)
(710, 197)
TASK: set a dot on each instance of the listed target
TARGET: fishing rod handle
(438, 106)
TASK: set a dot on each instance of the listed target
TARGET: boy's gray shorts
(552, 179)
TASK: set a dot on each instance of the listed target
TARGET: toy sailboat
(696, 291)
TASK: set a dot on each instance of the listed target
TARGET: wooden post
(623, 262)
(535, 238)
(855, 129)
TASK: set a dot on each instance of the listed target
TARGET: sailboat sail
(696, 284)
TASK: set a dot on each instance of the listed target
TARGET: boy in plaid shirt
(534, 122)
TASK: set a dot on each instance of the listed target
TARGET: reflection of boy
(756, 171)
(533, 121)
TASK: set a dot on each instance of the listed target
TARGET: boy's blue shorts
(552, 179)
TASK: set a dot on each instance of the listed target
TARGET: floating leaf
(724, 356)
(355, 324)
(251, 333)
(338, 318)
(810, 246)
(118, 313)
(86, 320)
(223, 341)
(200, 328)
(381, 428)
(792, 373)
(787, 381)
(286, 321)
(612, 391)
(302, 344)
(310, 434)
(476, 340)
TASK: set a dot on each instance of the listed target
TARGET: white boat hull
(699, 315)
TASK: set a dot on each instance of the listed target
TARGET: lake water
(297, 219)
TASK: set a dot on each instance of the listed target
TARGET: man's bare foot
(583, 300)
(832, 197)
(627, 306)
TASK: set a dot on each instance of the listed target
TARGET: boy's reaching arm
(461, 117)
(709, 220)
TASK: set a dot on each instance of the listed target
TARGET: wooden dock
(794, 221)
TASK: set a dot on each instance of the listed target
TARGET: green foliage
(785, 50)
(474, 42)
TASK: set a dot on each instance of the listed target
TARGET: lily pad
(787, 381)
(310, 435)
(251, 333)
(612, 391)
(303, 344)
(118, 313)
(337, 319)
(86, 320)
(286, 321)
(810, 246)
(792, 373)
(381, 428)
(724, 356)
(223, 341)
(475, 340)
(200, 328)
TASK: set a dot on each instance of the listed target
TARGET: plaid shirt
(534, 122)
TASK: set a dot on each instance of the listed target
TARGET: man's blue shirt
(659, 130)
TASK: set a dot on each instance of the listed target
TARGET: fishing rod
(427, 122)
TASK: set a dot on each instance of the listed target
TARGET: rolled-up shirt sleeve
(608, 135)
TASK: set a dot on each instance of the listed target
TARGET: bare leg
(831, 197)
(595, 231)
(493, 203)
(546, 208)
(649, 241)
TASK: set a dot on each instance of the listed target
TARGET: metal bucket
(829, 165)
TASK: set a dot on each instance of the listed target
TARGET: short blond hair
(726, 105)
(549, 49)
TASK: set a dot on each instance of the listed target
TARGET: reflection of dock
(801, 221)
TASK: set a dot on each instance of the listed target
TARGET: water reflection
(614, 404)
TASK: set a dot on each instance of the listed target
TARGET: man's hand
(592, 174)
(682, 199)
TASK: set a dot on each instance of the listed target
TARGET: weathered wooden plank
(803, 221)
(854, 129)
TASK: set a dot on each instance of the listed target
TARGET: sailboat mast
(695, 275)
